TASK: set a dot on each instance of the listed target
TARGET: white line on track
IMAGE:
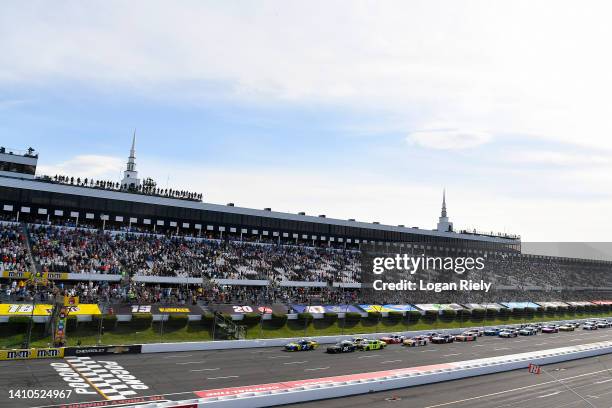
(540, 344)
(223, 378)
(316, 369)
(295, 362)
(501, 348)
(205, 369)
(549, 395)
(191, 362)
(370, 356)
(179, 356)
(390, 361)
(280, 357)
(451, 355)
(478, 345)
(603, 381)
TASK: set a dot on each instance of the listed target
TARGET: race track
(175, 376)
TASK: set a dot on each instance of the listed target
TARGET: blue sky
(355, 110)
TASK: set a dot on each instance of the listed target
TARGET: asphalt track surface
(176, 376)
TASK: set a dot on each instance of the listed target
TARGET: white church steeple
(130, 175)
(444, 225)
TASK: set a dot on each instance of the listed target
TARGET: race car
(466, 336)
(393, 339)
(431, 335)
(602, 324)
(589, 326)
(476, 332)
(442, 339)
(416, 341)
(302, 345)
(507, 333)
(492, 331)
(371, 345)
(567, 327)
(358, 340)
(528, 331)
(345, 346)
(550, 329)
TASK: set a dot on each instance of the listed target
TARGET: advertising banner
(582, 303)
(552, 304)
(519, 305)
(325, 309)
(387, 308)
(242, 309)
(436, 306)
(33, 353)
(157, 309)
(102, 350)
(24, 309)
(28, 275)
(602, 302)
(495, 306)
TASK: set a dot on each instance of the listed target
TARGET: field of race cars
(137, 378)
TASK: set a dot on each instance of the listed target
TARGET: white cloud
(449, 139)
(468, 63)
(90, 165)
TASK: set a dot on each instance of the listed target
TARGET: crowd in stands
(148, 187)
(13, 248)
(64, 248)
(81, 250)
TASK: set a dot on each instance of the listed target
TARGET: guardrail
(265, 395)
(279, 342)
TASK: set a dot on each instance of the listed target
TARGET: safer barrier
(257, 343)
(265, 395)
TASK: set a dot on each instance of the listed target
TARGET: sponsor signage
(23, 309)
(552, 304)
(157, 309)
(580, 303)
(30, 354)
(602, 302)
(102, 350)
(519, 305)
(242, 309)
(387, 308)
(28, 275)
(438, 307)
(325, 309)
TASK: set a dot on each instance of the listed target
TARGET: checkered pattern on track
(112, 387)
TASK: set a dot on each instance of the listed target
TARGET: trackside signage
(33, 353)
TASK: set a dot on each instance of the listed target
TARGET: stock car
(302, 345)
(476, 332)
(567, 327)
(603, 324)
(345, 346)
(507, 333)
(371, 345)
(466, 336)
(416, 341)
(589, 326)
(443, 338)
(431, 335)
(492, 331)
(528, 331)
(393, 339)
(550, 329)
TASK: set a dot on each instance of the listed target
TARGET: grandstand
(130, 241)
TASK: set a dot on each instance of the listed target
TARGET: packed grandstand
(132, 242)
